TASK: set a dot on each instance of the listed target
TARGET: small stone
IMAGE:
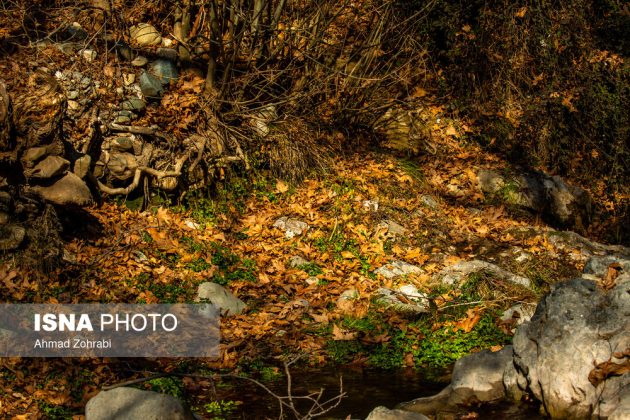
(139, 61)
(88, 55)
(297, 261)
(392, 229)
(11, 237)
(167, 54)
(397, 268)
(145, 35)
(76, 32)
(123, 50)
(121, 144)
(73, 94)
(68, 48)
(429, 202)
(407, 300)
(347, 298)
(150, 85)
(164, 70)
(291, 227)
(370, 205)
(129, 79)
(122, 119)
(74, 105)
(134, 104)
(191, 224)
(221, 297)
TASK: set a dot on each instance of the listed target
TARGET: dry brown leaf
(340, 334)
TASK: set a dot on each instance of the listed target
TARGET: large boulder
(566, 204)
(130, 403)
(68, 191)
(476, 378)
(575, 327)
(383, 413)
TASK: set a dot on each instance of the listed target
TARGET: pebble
(139, 61)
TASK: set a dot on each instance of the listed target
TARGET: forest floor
(161, 255)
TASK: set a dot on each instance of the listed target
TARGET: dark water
(365, 389)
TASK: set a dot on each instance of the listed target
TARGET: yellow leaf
(347, 255)
(451, 131)
(162, 216)
(521, 12)
(281, 186)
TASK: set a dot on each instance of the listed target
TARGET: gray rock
(291, 227)
(490, 182)
(621, 410)
(476, 378)
(551, 195)
(598, 264)
(123, 50)
(164, 70)
(347, 296)
(392, 229)
(456, 274)
(35, 154)
(370, 205)
(297, 261)
(397, 268)
(82, 166)
(130, 403)
(150, 86)
(521, 313)
(88, 55)
(11, 237)
(122, 119)
(121, 144)
(69, 190)
(129, 79)
(167, 54)
(50, 167)
(407, 300)
(145, 35)
(575, 326)
(76, 32)
(221, 297)
(139, 61)
(383, 413)
(429, 201)
(134, 104)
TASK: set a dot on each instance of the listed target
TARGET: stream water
(365, 389)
